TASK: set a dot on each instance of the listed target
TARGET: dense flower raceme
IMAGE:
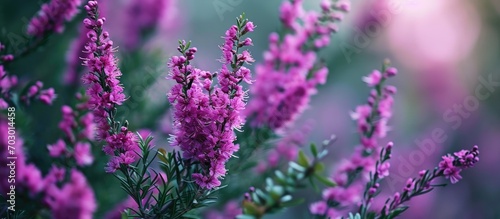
(290, 72)
(79, 146)
(52, 16)
(205, 114)
(74, 199)
(105, 92)
(371, 119)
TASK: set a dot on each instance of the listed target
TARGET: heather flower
(319, 208)
(74, 199)
(35, 92)
(30, 177)
(410, 184)
(371, 119)
(83, 154)
(104, 91)
(373, 78)
(57, 149)
(451, 166)
(383, 169)
(113, 164)
(68, 122)
(52, 16)
(205, 114)
(143, 16)
(7, 58)
(88, 126)
(288, 77)
(54, 176)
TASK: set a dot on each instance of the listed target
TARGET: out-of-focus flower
(143, 16)
(57, 149)
(371, 118)
(75, 199)
(231, 210)
(83, 154)
(52, 16)
(289, 74)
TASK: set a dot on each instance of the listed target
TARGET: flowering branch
(450, 167)
(371, 120)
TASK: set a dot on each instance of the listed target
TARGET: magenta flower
(47, 96)
(143, 16)
(75, 199)
(83, 154)
(57, 149)
(52, 16)
(451, 166)
(371, 119)
(373, 78)
(105, 91)
(205, 115)
(68, 122)
(318, 208)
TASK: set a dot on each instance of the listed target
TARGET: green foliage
(277, 193)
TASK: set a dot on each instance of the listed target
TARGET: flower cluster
(290, 73)
(105, 91)
(81, 150)
(205, 114)
(35, 91)
(52, 16)
(142, 16)
(371, 119)
(75, 199)
(450, 167)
